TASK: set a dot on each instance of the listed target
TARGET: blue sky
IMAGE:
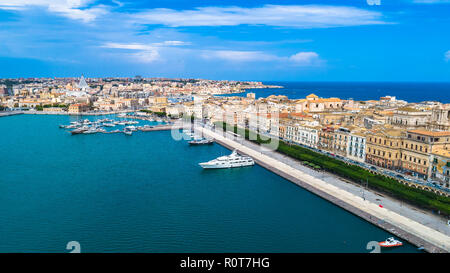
(320, 40)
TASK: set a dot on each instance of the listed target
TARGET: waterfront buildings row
(407, 137)
(404, 137)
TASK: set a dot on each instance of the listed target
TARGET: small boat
(127, 132)
(131, 128)
(80, 130)
(202, 141)
(91, 130)
(390, 242)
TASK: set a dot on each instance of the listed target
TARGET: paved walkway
(417, 226)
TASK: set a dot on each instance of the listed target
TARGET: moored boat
(390, 242)
(202, 141)
(230, 161)
(80, 130)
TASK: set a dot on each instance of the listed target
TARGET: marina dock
(412, 231)
(165, 127)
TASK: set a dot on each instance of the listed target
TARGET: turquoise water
(146, 193)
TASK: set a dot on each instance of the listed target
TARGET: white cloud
(431, 1)
(305, 58)
(447, 56)
(147, 56)
(73, 9)
(128, 46)
(298, 59)
(237, 56)
(300, 16)
(146, 53)
(172, 43)
(139, 46)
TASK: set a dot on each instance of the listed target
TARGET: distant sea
(411, 92)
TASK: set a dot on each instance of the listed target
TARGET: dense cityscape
(407, 141)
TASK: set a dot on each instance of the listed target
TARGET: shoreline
(410, 230)
(77, 114)
(7, 114)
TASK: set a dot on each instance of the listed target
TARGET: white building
(356, 146)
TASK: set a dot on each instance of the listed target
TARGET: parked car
(400, 176)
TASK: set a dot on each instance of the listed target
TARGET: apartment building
(356, 146)
(383, 148)
(440, 168)
(410, 118)
(418, 145)
(326, 139)
(340, 144)
(78, 108)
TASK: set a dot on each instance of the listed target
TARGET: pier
(404, 227)
(165, 127)
(10, 113)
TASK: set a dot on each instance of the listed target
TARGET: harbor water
(147, 193)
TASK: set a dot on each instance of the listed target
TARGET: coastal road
(422, 228)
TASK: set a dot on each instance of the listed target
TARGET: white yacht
(230, 161)
(131, 128)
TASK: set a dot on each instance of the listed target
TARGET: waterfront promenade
(417, 227)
